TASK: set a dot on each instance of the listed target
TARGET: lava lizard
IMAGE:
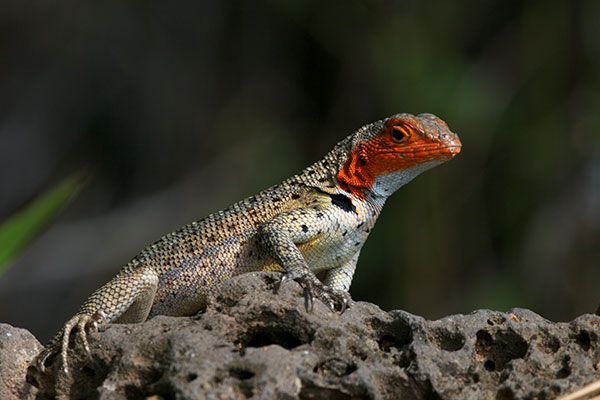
(317, 220)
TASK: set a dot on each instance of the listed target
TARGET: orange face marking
(401, 145)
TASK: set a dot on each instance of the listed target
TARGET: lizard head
(390, 153)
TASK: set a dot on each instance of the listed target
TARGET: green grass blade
(23, 226)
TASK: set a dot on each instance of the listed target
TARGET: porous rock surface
(17, 348)
(253, 343)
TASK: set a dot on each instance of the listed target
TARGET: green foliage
(23, 226)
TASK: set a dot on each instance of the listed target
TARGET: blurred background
(120, 121)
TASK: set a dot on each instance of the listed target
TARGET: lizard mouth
(453, 147)
(447, 150)
(431, 151)
(451, 150)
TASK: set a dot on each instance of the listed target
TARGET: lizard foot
(85, 324)
(336, 300)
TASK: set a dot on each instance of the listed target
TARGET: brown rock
(252, 343)
(17, 348)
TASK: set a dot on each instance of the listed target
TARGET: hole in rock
(549, 344)
(336, 367)
(311, 393)
(267, 336)
(88, 371)
(394, 335)
(583, 340)
(565, 370)
(447, 340)
(489, 365)
(241, 373)
(192, 376)
(505, 394)
(495, 351)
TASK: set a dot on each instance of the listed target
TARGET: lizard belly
(182, 287)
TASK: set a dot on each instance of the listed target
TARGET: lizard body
(317, 220)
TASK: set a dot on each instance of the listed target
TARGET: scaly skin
(315, 221)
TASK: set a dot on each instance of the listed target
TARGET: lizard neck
(359, 178)
(386, 184)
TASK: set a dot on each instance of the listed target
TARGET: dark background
(179, 109)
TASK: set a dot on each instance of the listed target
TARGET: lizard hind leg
(140, 308)
(128, 297)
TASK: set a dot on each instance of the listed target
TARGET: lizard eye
(400, 132)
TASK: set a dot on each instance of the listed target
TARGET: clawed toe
(336, 300)
(84, 324)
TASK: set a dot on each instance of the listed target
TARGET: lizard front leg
(128, 297)
(281, 235)
(340, 278)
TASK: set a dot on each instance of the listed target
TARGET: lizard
(317, 220)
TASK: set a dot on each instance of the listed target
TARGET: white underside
(385, 185)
